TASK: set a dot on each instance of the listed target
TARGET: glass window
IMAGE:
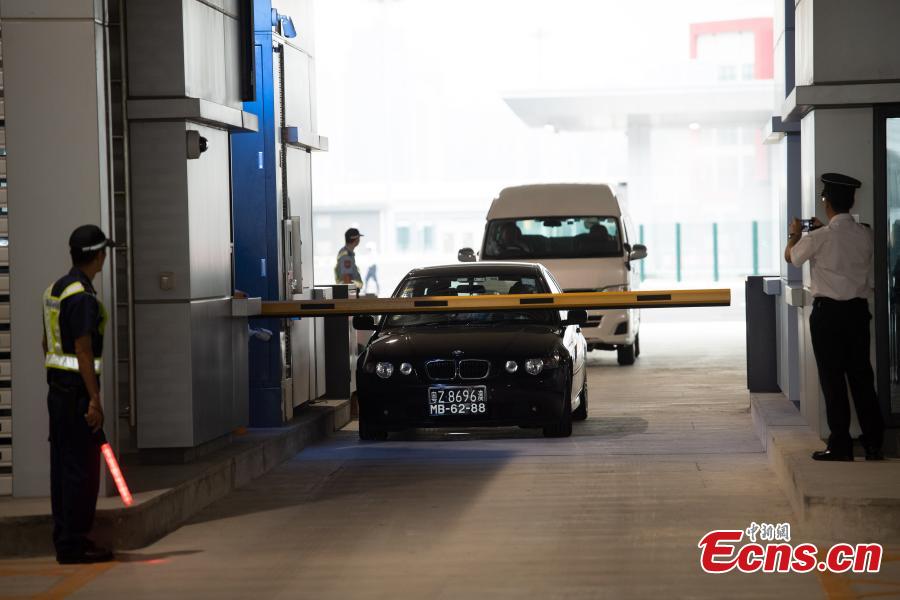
(747, 71)
(428, 237)
(472, 285)
(727, 72)
(553, 237)
(403, 237)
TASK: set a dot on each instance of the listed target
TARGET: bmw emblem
(457, 353)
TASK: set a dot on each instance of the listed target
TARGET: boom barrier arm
(488, 303)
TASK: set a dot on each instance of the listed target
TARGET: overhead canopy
(744, 101)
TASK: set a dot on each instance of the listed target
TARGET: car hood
(474, 342)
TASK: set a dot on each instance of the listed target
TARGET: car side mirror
(364, 323)
(466, 255)
(576, 316)
(638, 252)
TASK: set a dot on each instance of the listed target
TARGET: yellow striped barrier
(489, 303)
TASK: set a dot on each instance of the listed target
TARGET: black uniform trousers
(74, 467)
(840, 341)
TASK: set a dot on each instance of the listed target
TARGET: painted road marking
(61, 580)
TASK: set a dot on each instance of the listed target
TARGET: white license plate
(457, 401)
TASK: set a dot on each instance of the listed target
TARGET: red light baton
(114, 470)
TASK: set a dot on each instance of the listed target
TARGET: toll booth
(272, 208)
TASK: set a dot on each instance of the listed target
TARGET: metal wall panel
(160, 216)
(204, 59)
(164, 374)
(180, 211)
(296, 90)
(302, 356)
(185, 48)
(184, 350)
(299, 179)
(155, 48)
(211, 362)
(240, 373)
(209, 201)
(50, 9)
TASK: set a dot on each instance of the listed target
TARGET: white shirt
(840, 259)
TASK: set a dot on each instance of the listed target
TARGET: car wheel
(581, 413)
(563, 427)
(637, 345)
(368, 433)
(626, 355)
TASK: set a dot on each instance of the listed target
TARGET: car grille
(441, 369)
(474, 369)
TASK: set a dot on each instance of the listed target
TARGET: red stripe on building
(764, 64)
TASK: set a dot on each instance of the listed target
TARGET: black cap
(352, 234)
(89, 238)
(842, 180)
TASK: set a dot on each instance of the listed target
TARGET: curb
(850, 501)
(144, 523)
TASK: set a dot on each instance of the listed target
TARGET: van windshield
(552, 237)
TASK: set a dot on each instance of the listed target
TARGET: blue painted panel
(256, 225)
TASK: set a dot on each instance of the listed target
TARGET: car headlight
(511, 366)
(615, 288)
(384, 369)
(406, 369)
(552, 361)
(534, 366)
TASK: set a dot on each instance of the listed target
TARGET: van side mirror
(364, 323)
(466, 255)
(638, 252)
(576, 316)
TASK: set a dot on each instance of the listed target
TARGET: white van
(577, 231)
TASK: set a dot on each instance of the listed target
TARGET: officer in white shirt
(840, 256)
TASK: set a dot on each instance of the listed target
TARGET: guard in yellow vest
(74, 322)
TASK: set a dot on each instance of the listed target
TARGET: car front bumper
(519, 399)
(610, 327)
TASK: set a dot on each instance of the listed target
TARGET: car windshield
(471, 285)
(553, 237)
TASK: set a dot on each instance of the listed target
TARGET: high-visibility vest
(55, 357)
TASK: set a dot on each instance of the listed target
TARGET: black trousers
(840, 341)
(74, 468)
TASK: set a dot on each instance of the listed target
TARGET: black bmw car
(504, 368)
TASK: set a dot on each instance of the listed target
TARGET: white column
(57, 175)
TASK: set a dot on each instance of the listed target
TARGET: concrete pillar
(183, 69)
(789, 194)
(57, 142)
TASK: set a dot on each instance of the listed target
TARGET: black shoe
(873, 454)
(831, 455)
(90, 555)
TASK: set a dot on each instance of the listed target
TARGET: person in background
(841, 278)
(345, 270)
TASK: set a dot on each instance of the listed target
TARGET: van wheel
(637, 345)
(626, 355)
